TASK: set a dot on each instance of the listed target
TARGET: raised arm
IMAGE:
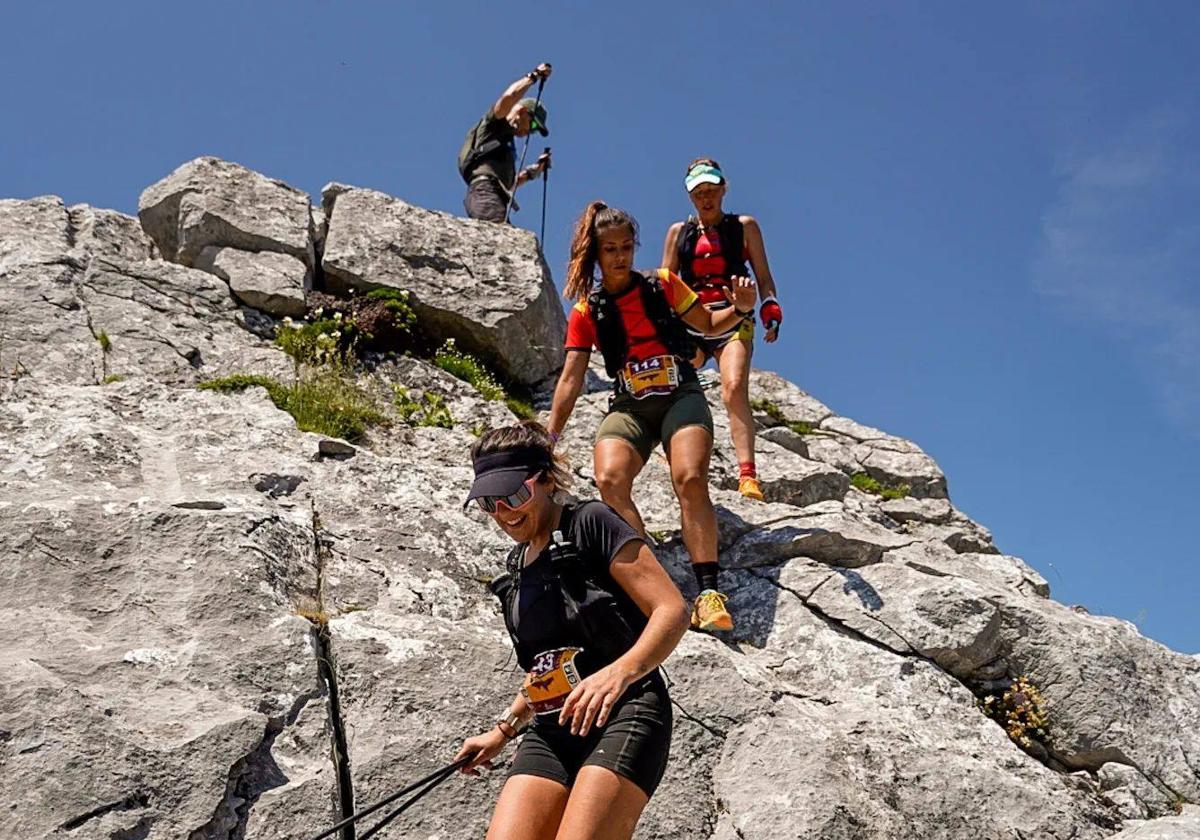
(742, 296)
(670, 257)
(640, 574)
(513, 93)
(567, 391)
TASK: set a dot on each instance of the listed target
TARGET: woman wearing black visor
(592, 615)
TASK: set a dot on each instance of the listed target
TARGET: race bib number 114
(656, 375)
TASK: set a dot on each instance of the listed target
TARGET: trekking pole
(545, 188)
(371, 832)
(513, 194)
(432, 780)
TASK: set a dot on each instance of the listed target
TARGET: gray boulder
(274, 283)
(483, 284)
(1183, 826)
(191, 582)
(209, 201)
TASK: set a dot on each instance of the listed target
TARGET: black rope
(545, 188)
(432, 780)
(513, 194)
(446, 774)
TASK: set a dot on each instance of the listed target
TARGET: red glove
(770, 313)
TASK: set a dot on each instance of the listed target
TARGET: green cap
(537, 113)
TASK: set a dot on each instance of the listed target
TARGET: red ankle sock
(747, 469)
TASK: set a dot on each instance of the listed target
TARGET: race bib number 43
(656, 375)
(551, 679)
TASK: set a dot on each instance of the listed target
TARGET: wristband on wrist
(554, 437)
(513, 722)
(767, 300)
(749, 313)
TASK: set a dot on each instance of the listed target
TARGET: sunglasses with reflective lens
(489, 504)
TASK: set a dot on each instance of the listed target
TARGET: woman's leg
(616, 464)
(733, 360)
(529, 808)
(688, 452)
(602, 806)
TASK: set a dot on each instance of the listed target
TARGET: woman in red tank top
(696, 250)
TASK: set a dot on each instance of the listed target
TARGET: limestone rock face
(221, 626)
(483, 284)
(273, 283)
(209, 201)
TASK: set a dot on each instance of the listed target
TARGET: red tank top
(708, 265)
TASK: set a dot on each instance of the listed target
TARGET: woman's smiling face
(531, 518)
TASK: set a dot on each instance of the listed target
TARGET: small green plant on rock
(430, 410)
(322, 342)
(869, 484)
(773, 411)
(469, 369)
(114, 377)
(1020, 710)
(327, 401)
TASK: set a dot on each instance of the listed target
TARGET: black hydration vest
(610, 329)
(605, 624)
(733, 247)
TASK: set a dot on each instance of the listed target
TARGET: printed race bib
(656, 375)
(551, 679)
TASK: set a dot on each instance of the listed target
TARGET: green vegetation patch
(323, 342)
(868, 484)
(430, 410)
(114, 377)
(773, 411)
(469, 369)
(328, 401)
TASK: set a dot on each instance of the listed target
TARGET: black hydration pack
(603, 623)
(733, 246)
(472, 153)
(610, 329)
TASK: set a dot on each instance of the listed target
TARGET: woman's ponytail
(596, 217)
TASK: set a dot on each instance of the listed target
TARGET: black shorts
(486, 200)
(635, 743)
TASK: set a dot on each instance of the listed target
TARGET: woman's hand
(741, 292)
(482, 749)
(593, 699)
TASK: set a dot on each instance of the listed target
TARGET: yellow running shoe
(751, 489)
(709, 613)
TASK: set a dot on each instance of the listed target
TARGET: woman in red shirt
(710, 251)
(639, 323)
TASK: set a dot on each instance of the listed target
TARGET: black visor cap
(503, 473)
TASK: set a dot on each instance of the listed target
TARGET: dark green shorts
(646, 422)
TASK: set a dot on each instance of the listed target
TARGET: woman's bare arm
(637, 571)
(670, 257)
(567, 391)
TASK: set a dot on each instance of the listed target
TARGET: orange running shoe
(751, 489)
(709, 612)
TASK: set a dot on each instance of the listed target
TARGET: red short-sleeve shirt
(639, 329)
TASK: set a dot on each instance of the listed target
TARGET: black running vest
(610, 329)
(733, 248)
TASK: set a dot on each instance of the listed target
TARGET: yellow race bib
(656, 375)
(551, 679)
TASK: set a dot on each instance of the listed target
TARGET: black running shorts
(634, 743)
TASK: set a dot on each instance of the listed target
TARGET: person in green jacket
(488, 158)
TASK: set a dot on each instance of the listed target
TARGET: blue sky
(984, 219)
